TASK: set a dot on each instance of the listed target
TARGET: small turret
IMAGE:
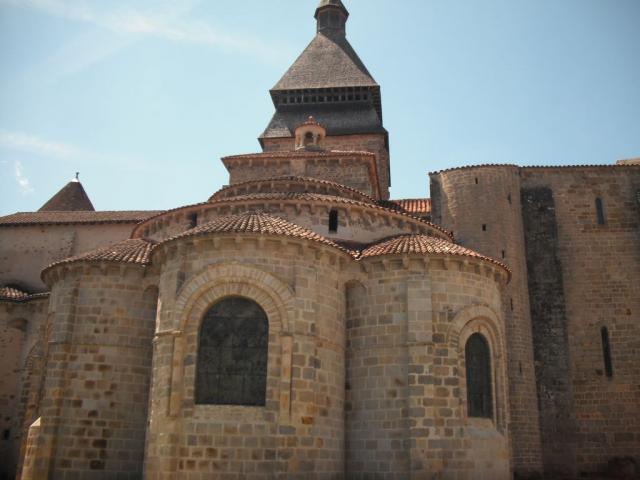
(332, 18)
(71, 197)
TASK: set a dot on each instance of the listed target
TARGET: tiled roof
(10, 294)
(227, 192)
(133, 251)
(255, 223)
(470, 167)
(326, 63)
(422, 244)
(71, 197)
(56, 218)
(536, 167)
(301, 154)
(317, 197)
(338, 119)
(414, 206)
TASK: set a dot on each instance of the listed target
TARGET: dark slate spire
(329, 82)
(71, 197)
(332, 18)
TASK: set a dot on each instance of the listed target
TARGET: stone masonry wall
(352, 172)
(601, 284)
(299, 433)
(11, 340)
(365, 143)
(21, 362)
(406, 397)
(550, 332)
(26, 250)
(482, 207)
(94, 406)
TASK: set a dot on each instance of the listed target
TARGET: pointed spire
(71, 197)
(332, 18)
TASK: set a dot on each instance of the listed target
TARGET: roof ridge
(254, 222)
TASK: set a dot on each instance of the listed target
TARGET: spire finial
(332, 18)
(77, 179)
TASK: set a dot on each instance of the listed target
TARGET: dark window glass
(193, 220)
(600, 211)
(606, 352)
(232, 354)
(333, 221)
(478, 363)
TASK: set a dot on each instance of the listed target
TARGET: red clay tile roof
(305, 197)
(537, 167)
(327, 198)
(10, 294)
(133, 251)
(227, 192)
(414, 206)
(422, 244)
(71, 197)
(301, 153)
(65, 218)
(255, 223)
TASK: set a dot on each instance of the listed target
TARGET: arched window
(478, 362)
(232, 354)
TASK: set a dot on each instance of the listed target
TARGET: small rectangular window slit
(333, 221)
(606, 352)
(600, 211)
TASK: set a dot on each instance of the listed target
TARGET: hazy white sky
(144, 96)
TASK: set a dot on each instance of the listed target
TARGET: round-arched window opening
(231, 364)
(478, 370)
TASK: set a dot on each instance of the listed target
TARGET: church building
(299, 324)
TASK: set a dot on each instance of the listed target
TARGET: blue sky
(143, 97)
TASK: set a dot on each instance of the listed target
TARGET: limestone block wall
(26, 250)
(374, 143)
(93, 409)
(406, 409)
(299, 433)
(600, 275)
(481, 205)
(352, 171)
(358, 223)
(22, 365)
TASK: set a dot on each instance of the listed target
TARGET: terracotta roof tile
(10, 294)
(537, 167)
(60, 218)
(292, 196)
(415, 206)
(133, 251)
(422, 244)
(327, 198)
(301, 154)
(255, 223)
(227, 192)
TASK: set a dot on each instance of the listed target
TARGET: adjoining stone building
(299, 324)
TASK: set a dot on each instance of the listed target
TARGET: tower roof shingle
(326, 63)
(71, 197)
